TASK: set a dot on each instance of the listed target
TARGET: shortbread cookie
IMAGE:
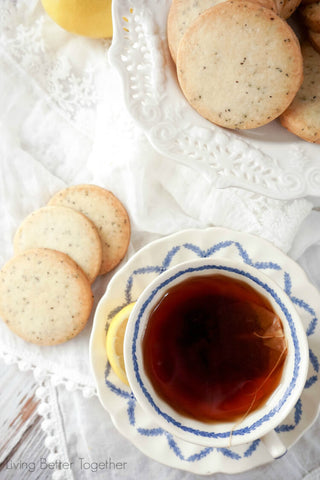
(270, 4)
(183, 12)
(239, 65)
(303, 116)
(65, 230)
(108, 215)
(286, 7)
(45, 297)
(314, 38)
(310, 15)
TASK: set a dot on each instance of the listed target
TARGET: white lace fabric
(62, 122)
(62, 66)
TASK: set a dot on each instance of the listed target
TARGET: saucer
(125, 287)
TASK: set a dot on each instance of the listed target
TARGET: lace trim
(278, 221)
(25, 38)
(55, 440)
(44, 374)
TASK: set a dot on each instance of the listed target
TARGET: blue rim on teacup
(259, 422)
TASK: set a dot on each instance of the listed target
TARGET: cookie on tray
(314, 38)
(310, 15)
(239, 65)
(286, 8)
(303, 116)
(45, 298)
(108, 215)
(65, 230)
(183, 12)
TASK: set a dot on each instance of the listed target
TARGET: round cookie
(108, 215)
(310, 15)
(314, 38)
(183, 12)
(45, 297)
(239, 65)
(287, 7)
(303, 116)
(65, 230)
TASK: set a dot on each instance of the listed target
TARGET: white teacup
(259, 423)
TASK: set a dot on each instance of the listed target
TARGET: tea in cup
(216, 353)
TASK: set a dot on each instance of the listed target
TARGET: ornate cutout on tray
(268, 160)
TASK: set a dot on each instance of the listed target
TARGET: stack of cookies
(59, 250)
(239, 63)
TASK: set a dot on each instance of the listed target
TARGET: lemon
(91, 18)
(114, 342)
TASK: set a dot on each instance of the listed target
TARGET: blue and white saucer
(125, 287)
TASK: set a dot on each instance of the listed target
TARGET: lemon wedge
(91, 18)
(114, 342)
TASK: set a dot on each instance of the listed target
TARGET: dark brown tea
(214, 349)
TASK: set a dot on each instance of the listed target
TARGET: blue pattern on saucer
(297, 413)
(276, 408)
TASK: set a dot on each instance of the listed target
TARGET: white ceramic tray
(125, 287)
(267, 160)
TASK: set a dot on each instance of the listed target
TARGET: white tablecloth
(62, 122)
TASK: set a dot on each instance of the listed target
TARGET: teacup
(259, 423)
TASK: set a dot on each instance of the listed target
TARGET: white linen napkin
(63, 121)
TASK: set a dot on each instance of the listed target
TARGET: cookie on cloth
(183, 12)
(108, 215)
(65, 230)
(310, 15)
(303, 116)
(45, 298)
(239, 65)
